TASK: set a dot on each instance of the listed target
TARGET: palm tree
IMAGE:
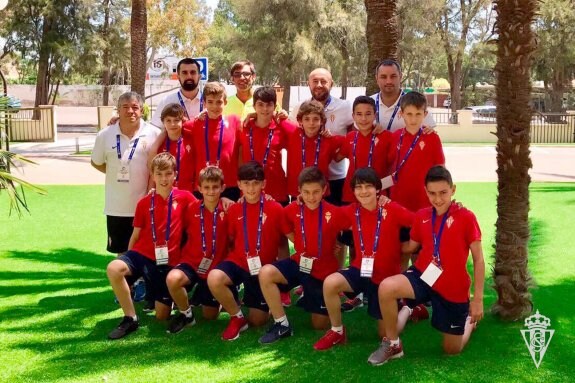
(139, 35)
(382, 36)
(515, 46)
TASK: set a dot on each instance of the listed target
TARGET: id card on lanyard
(207, 142)
(434, 270)
(161, 251)
(207, 260)
(253, 259)
(367, 261)
(124, 169)
(305, 261)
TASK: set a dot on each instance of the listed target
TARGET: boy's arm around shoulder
(476, 305)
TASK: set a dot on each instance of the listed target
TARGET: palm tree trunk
(381, 33)
(139, 34)
(515, 47)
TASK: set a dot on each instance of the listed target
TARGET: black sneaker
(180, 322)
(127, 326)
(275, 333)
(149, 306)
(351, 304)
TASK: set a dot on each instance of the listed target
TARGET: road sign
(203, 61)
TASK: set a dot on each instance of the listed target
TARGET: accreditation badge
(204, 265)
(123, 173)
(386, 182)
(305, 264)
(431, 274)
(367, 266)
(254, 264)
(161, 255)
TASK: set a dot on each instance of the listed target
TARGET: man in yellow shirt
(243, 75)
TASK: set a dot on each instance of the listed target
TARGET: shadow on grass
(554, 188)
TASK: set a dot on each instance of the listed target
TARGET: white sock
(360, 296)
(239, 314)
(394, 342)
(282, 320)
(188, 312)
(338, 329)
(135, 318)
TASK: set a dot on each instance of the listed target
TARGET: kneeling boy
(154, 246)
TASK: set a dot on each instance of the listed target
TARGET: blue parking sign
(203, 61)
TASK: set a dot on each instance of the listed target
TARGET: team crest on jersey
(327, 216)
(144, 144)
(384, 213)
(421, 145)
(188, 148)
(332, 117)
(264, 217)
(449, 221)
(376, 141)
(222, 214)
(174, 204)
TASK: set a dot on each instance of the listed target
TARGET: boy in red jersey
(377, 247)
(308, 147)
(154, 246)
(446, 233)
(207, 229)
(254, 226)
(313, 228)
(216, 139)
(177, 142)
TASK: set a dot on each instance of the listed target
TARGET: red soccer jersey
(359, 157)
(145, 244)
(333, 221)
(409, 188)
(328, 148)
(266, 146)
(460, 231)
(388, 256)
(185, 165)
(192, 252)
(270, 236)
(228, 158)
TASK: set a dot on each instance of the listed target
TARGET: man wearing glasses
(243, 74)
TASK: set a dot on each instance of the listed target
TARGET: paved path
(57, 165)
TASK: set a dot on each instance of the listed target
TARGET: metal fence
(445, 117)
(31, 124)
(553, 128)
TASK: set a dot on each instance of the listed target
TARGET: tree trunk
(139, 34)
(515, 47)
(344, 68)
(381, 33)
(106, 54)
(42, 81)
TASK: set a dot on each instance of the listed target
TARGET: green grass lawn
(57, 309)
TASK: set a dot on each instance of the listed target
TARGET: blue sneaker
(139, 290)
(276, 332)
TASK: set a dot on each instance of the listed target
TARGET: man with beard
(387, 113)
(243, 74)
(188, 96)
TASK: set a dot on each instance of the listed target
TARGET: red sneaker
(330, 339)
(299, 290)
(235, 327)
(286, 299)
(419, 312)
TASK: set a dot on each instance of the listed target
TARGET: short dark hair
(310, 175)
(172, 110)
(364, 100)
(414, 99)
(238, 65)
(309, 107)
(387, 62)
(187, 61)
(250, 171)
(265, 94)
(366, 176)
(438, 173)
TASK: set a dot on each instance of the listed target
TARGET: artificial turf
(57, 308)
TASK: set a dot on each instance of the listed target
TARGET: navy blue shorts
(404, 234)
(447, 317)
(312, 298)
(365, 286)
(253, 297)
(141, 266)
(335, 192)
(119, 232)
(202, 294)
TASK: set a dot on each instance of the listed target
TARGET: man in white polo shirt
(388, 78)
(339, 122)
(121, 152)
(188, 96)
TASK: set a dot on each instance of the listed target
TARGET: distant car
(483, 114)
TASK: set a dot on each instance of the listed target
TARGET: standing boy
(254, 228)
(207, 229)
(154, 246)
(446, 233)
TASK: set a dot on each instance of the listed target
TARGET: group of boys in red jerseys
(190, 234)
